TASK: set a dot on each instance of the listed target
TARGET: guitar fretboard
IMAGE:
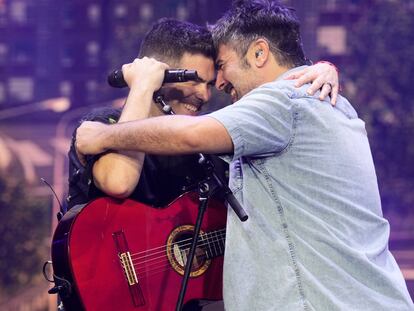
(213, 242)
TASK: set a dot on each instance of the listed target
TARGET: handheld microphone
(116, 78)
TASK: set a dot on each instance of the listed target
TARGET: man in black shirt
(157, 180)
(162, 178)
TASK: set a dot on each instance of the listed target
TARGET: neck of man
(273, 71)
(277, 72)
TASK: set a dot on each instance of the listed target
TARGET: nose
(220, 81)
(204, 92)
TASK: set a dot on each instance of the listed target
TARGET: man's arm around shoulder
(162, 135)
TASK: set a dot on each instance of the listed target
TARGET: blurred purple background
(54, 59)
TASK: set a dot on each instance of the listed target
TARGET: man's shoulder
(103, 114)
(298, 95)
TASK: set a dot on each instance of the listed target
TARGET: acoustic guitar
(123, 255)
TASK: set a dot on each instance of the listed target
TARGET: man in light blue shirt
(315, 238)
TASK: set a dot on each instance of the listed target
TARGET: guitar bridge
(127, 265)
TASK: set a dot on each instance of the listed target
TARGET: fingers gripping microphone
(116, 78)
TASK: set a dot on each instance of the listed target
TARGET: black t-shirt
(163, 178)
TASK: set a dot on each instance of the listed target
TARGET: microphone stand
(206, 189)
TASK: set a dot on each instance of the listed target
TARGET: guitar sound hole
(182, 250)
(179, 248)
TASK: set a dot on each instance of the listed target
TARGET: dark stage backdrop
(54, 59)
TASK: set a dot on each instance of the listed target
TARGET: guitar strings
(146, 271)
(161, 262)
(153, 256)
(155, 260)
(171, 244)
(203, 243)
(140, 267)
(159, 269)
(143, 272)
(164, 261)
(220, 231)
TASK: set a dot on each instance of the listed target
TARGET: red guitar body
(124, 255)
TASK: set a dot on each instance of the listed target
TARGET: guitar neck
(213, 242)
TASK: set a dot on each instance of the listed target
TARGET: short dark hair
(169, 39)
(249, 20)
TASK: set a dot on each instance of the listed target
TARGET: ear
(259, 52)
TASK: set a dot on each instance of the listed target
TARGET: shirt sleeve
(259, 124)
(81, 186)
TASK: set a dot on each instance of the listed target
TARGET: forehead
(225, 52)
(203, 64)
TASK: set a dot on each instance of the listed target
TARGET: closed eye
(219, 66)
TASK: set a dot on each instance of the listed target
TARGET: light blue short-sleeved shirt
(315, 238)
